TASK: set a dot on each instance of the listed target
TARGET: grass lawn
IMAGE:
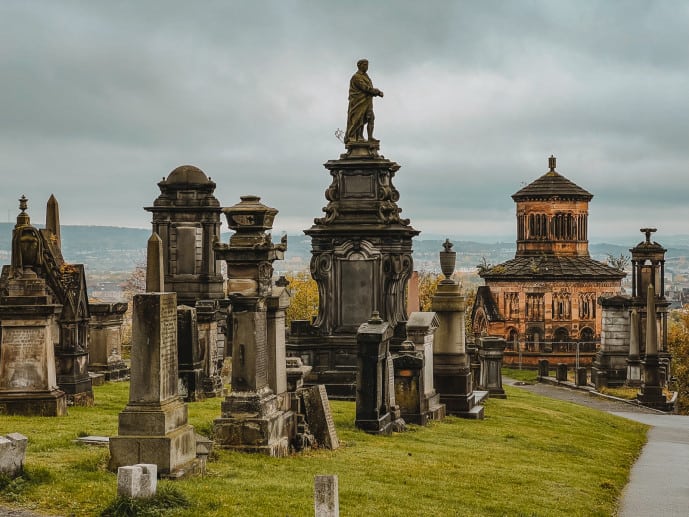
(528, 376)
(530, 456)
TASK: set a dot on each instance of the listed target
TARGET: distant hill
(111, 248)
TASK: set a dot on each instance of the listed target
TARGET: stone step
(475, 413)
(480, 396)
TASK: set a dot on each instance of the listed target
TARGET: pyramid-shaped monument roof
(552, 185)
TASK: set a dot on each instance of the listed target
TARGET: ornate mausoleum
(544, 301)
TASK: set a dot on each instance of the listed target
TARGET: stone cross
(155, 273)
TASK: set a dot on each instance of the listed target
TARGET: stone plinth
(361, 260)
(153, 427)
(372, 402)
(28, 381)
(610, 365)
(12, 453)
(452, 374)
(276, 304)
(490, 353)
(105, 340)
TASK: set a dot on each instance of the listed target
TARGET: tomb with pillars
(544, 300)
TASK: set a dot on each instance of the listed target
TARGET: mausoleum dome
(187, 174)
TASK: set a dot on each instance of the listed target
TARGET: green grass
(530, 456)
(528, 376)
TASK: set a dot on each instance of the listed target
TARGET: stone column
(252, 417)
(105, 340)
(491, 350)
(452, 375)
(276, 305)
(208, 315)
(651, 392)
(372, 406)
(153, 427)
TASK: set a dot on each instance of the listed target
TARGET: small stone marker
(12, 452)
(326, 497)
(155, 272)
(319, 417)
(137, 481)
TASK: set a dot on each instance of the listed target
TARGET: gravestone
(12, 453)
(189, 355)
(543, 368)
(561, 372)
(610, 363)
(105, 340)
(326, 496)
(633, 361)
(153, 427)
(319, 417)
(372, 397)
(137, 481)
(491, 351)
(414, 391)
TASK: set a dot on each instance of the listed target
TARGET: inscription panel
(23, 359)
(168, 347)
(356, 287)
(358, 186)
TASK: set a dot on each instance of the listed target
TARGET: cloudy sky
(101, 99)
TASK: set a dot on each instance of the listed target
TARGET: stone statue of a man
(360, 112)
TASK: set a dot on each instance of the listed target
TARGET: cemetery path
(659, 480)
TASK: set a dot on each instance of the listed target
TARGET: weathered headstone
(543, 368)
(491, 350)
(153, 427)
(189, 354)
(137, 481)
(372, 404)
(610, 364)
(561, 372)
(12, 453)
(326, 496)
(633, 361)
(319, 417)
(105, 340)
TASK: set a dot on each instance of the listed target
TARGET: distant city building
(545, 299)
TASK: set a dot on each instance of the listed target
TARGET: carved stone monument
(361, 259)
(186, 215)
(633, 361)
(651, 392)
(254, 418)
(153, 427)
(372, 398)
(491, 351)
(105, 340)
(452, 373)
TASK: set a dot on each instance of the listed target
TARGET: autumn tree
(134, 284)
(304, 302)
(678, 343)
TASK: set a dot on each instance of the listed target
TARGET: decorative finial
(448, 259)
(551, 163)
(23, 218)
(648, 232)
(375, 318)
(447, 245)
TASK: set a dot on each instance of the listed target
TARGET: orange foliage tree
(678, 343)
(304, 302)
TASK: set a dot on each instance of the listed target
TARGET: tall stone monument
(186, 216)
(361, 252)
(452, 373)
(254, 418)
(153, 427)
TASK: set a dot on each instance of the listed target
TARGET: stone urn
(448, 259)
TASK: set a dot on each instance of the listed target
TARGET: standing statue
(360, 111)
